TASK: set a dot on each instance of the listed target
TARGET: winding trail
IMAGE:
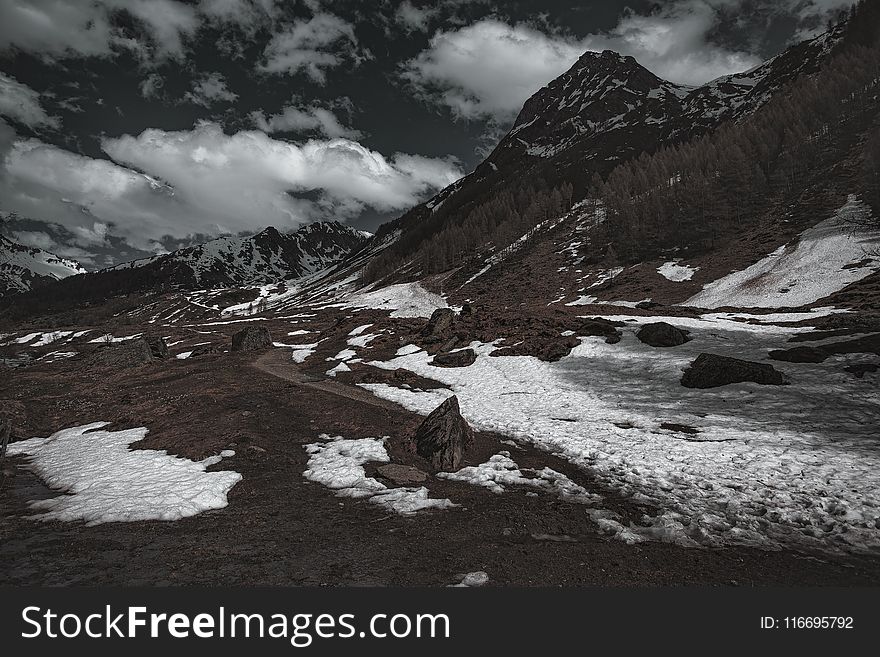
(278, 363)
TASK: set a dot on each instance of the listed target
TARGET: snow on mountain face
(604, 93)
(825, 259)
(23, 267)
(266, 257)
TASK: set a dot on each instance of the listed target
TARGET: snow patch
(672, 271)
(106, 481)
(337, 463)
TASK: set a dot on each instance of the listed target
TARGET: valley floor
(280, 528)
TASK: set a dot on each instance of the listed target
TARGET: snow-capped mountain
(23, 268)
(608, 108)
(265, 257)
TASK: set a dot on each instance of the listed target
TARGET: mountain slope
(265, 257)
(23, 268)
(606, 110)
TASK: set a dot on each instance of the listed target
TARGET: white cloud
(489, 68)
(414, 19)
(168, 22)
(304, 119)
(21, 103)
(151, 86)
(40, 240)
(312, 46)
(208, 90)
(216, 183)
(56, 27)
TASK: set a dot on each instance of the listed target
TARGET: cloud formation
(21, 103)
(203, 181)
(312, 46)
(208, 90)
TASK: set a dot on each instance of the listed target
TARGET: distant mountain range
(24, 268)
(266, 257)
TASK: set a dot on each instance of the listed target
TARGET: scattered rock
(803, 354)
(466, 310)
(444, 437)
(402, 475)
(441, 322)
(461, 358)
(478, 578)
(157, 346)
(713, 371)
(252, 338)
(859, 370)
(648, 305)
(661, 334)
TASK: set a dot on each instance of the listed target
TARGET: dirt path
(278, 363)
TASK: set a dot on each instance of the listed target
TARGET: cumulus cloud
(56, 27)
(42, 240)
(299, 119)
(206, 182)
(208, 90)
(21, 103)
(489, 69)
(312, 46)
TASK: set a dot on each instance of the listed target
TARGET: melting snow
(769, 466)
(501, 471)
(337, 463)
(677, 273)
(825, 260)
(106, 481)
(405, 300)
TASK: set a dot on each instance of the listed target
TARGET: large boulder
(460, 358)
(252, 338)
(128, 353)
(444, 437)
(661, 334)
(713, 371)
(441, 323)
(402, 475)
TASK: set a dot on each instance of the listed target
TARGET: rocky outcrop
(713, 371)
(252, 338)
(661, 334)
(460, 358)
(444, 437)
(129, 353)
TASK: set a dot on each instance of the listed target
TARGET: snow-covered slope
(824, 260)
(22, 267)
(266, 257)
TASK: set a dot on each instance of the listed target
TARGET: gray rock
(402, 475)
(802, 354)
(661, 334)
(5, 433)
(252, 338)
(713, 371)
(461, 358)
(441, 322)
(444, 437)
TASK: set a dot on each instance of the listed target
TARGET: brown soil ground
(280, 529)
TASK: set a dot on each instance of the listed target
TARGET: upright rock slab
(444, 437)
(252, 338)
